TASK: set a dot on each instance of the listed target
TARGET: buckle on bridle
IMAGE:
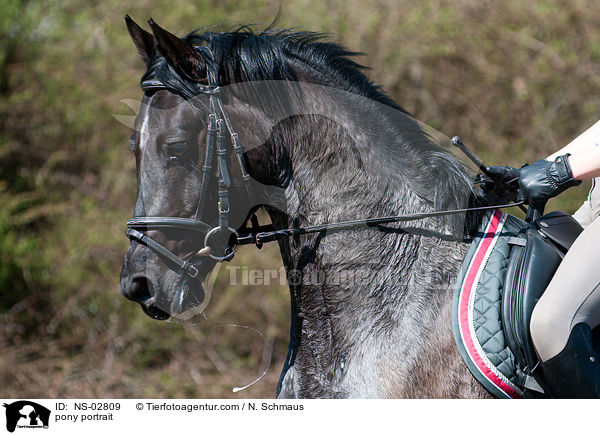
(190, 269)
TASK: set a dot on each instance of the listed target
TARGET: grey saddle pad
(476, 309)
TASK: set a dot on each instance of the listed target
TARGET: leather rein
(219, 124)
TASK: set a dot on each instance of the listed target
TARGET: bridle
(219, 124)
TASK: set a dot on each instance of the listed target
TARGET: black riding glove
(543, 180)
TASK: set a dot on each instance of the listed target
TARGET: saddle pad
(476, 308)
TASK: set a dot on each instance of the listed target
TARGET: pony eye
(176, 149)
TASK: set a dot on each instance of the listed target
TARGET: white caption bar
(160, 416)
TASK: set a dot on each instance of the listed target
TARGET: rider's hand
(502, 181)
(545, 179)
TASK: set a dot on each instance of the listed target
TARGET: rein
(265, 233)
(273, 235)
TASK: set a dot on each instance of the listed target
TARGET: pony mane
(242, 55)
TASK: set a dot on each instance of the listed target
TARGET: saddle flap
(530, 270)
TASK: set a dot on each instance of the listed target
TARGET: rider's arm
(585, 153)
(586, 164)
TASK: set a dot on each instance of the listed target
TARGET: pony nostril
(139, 290)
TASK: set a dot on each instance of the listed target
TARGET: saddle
(507, 269)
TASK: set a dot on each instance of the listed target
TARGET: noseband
(218, 126)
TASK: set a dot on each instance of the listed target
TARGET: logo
(26, 414)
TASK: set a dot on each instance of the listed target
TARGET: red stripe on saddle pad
(468, 288)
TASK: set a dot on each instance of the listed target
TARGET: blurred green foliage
(516, 80)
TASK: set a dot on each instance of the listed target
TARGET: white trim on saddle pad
(469, 344)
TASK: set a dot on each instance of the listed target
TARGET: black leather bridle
(218, 126)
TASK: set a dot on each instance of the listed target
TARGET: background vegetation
(516, 79)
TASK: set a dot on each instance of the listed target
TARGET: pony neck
(358, 296)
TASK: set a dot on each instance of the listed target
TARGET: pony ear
(185, 59)
(144, 41)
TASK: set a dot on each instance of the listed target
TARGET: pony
(370, 307)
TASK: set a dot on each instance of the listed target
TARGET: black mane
(244, 56)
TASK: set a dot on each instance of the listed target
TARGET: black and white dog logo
(26, 414)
